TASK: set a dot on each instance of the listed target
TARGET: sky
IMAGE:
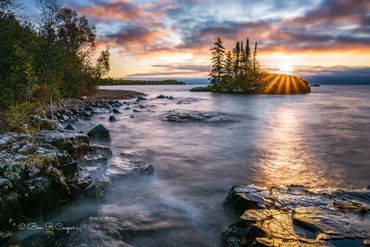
(172, 38)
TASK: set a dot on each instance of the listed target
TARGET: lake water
(318, 139)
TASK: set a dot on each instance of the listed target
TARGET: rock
(140, 98)
(97, 150)
(161, 97)
(121, 167)
(99, 132)
(43, 123)
(116, 111)
(127, 108)
(39, 173)
(193, 116)
(70, 127)
(132, 116)
(298, 216)
(135, 110)
(5, 185)
(112, 118)
(76, 144)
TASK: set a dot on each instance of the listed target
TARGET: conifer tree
(217, 71)
(229, 65)
(236, 54)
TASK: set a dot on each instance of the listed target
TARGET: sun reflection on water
(285, 156)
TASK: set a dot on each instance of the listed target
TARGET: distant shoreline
(124, 82)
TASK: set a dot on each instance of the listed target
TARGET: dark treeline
(235, 71)
(49, 59)
(111, 81)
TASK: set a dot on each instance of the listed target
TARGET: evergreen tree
(217, 71)
(236, 53)
(229, 65)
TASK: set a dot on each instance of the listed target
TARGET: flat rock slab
(298, 216)
(194, 116)
(122, 167)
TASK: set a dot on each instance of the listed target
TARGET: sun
(286, 68)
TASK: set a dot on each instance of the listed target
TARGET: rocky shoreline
(60, 164)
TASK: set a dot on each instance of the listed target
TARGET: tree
(229, 65)
(236, 53)
(102, 64)
(217, 71)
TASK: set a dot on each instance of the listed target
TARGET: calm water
(319, 139)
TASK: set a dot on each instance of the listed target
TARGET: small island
(239, 71)
(122, 82)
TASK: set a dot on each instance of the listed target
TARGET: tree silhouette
(217, 71)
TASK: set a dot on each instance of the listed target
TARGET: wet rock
(5, 185)
(38, 173)
(70, 127)
(135, 110)
(112, 118)
(127, 108)
(193, 116)
(165, 97)
(116, 111)
(99, 132)
(140, 98)
(297, 216)
(132, 116)
(43, 123)
(121, 167)
(99, 150)
(75, 144)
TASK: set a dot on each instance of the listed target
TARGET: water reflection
(285, 157)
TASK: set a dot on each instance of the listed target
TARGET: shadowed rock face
(298, 216)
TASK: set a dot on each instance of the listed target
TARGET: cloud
(123, 10)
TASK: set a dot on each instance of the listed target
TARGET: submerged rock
(193, 116)
(99, 132)
(298, 216)
(112, 118)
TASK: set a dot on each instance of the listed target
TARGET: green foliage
(238, 71)
(18, 117)
(52, 61)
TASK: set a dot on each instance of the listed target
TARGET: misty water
(318, 139)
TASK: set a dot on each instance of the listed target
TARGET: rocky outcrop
(39, 173)
(193, 116)
(298, 216)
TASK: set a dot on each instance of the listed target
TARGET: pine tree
(229, 65)
(255, 59)
(236, 54)
(218, 53)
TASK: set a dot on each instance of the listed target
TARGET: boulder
(112, 118)
(140, 98)
(70, 127)
(99, 132)
(116, 111)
